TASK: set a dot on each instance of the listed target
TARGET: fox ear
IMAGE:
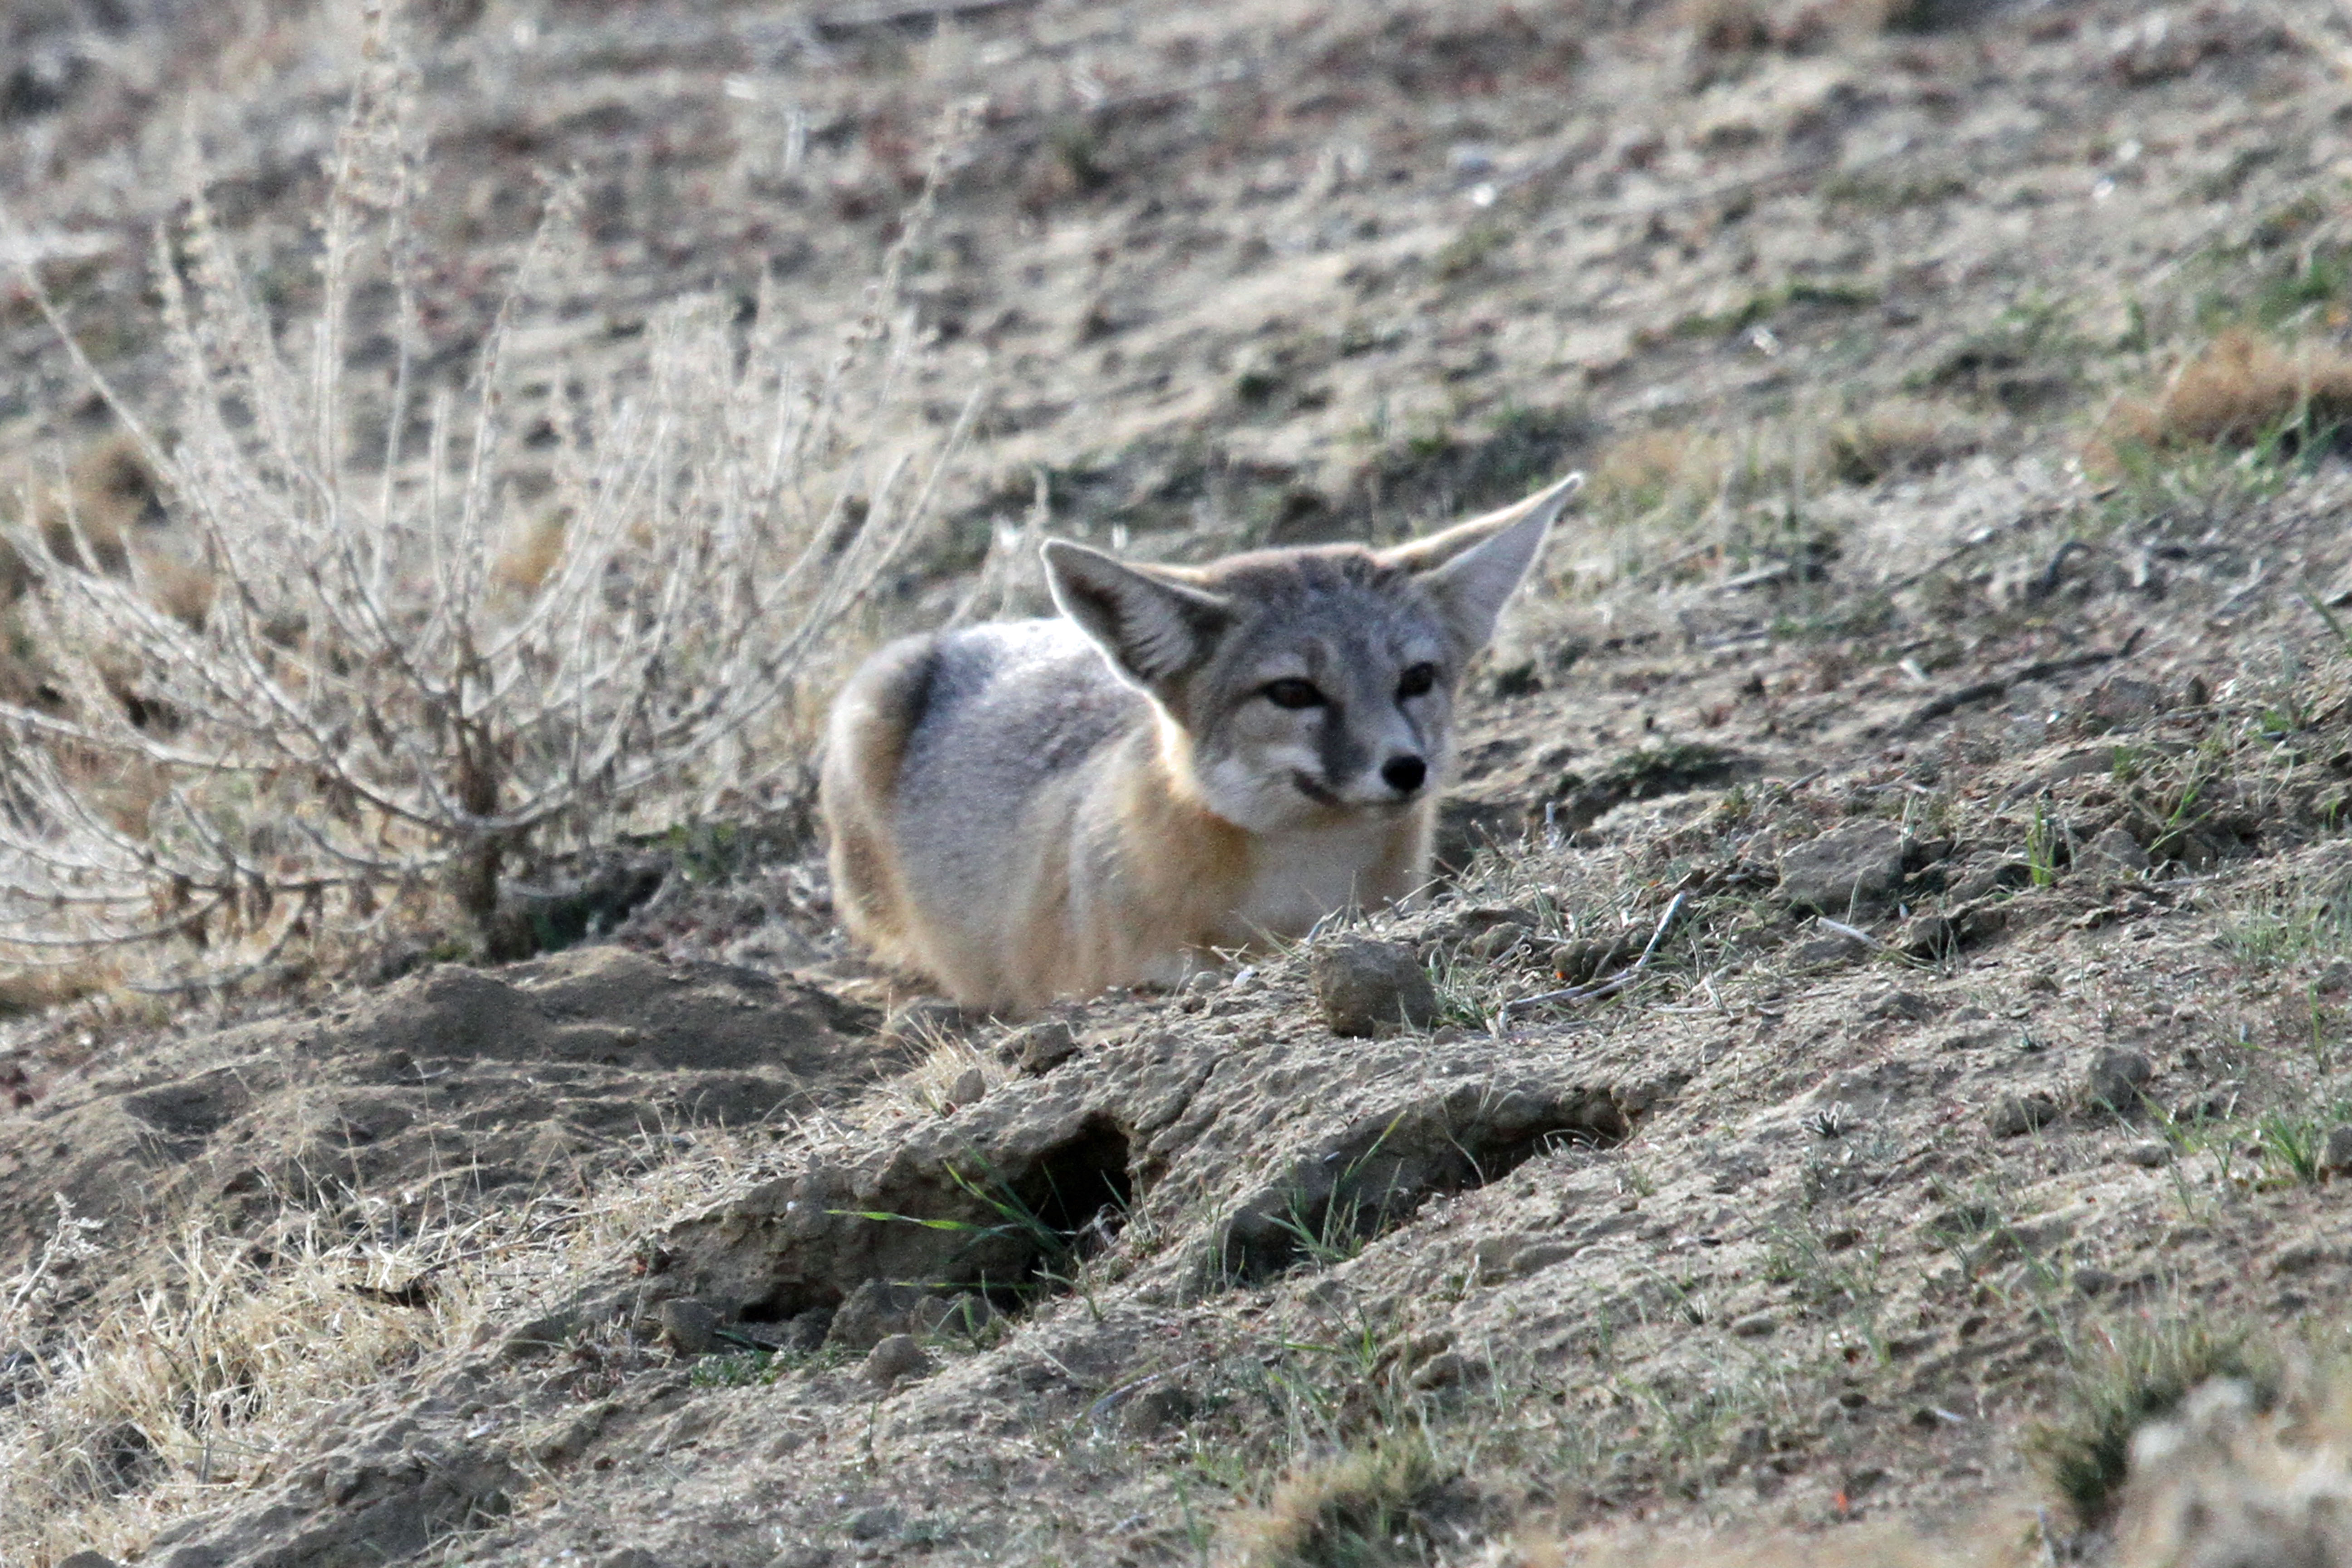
(1153, 626)
(1471, 568)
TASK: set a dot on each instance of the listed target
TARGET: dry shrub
(1903, 436)
(2240, 390)
(458, 628)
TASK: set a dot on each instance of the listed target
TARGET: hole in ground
(1047, 1216)
(1374, 1177)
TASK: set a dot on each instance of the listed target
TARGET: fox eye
(1293, 692)
(1416, 681)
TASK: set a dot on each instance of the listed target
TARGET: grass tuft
(2243, 390)
(2125, 1376)
(1364, 1508)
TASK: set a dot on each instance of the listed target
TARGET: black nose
(1404, 774)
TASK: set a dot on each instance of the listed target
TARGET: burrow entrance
(1374, 1176)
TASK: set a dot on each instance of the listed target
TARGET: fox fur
(1185, 760)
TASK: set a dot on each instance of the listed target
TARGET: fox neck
(1237, 886)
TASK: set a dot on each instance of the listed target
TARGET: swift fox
(1185, 759)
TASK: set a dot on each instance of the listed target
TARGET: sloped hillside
(1885, 1036)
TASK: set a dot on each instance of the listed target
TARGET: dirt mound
(451, 1086)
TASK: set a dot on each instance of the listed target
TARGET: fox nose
(1405, 774)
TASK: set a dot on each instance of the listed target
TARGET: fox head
(1300, 686)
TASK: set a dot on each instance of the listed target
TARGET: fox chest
(1296, 879)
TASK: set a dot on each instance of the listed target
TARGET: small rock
(1041, 1047)
(1982, 881)
(2116, 1077)
(1755, 1325)
(2118, 851)
(1160, 1408)
(690, 1327)
(1824, 951)
(1908, 1005)
(2019, 1113)
(1853, 866)
(874, 1524)
(969, 1088)
(1364, 985)
(2336, 1155)
(873, 1312)
(899, 1356)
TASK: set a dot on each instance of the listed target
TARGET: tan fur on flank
(1186, 760)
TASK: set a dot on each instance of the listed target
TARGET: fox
(1183, 762)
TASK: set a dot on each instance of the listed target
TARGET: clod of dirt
(2118, 851)
(2117, 1078)
(1855, 866)
(1364, 986)
(1041, 1047)
(876, 1311)
(2020, 1113)
(896, 1358)
(688, 1325)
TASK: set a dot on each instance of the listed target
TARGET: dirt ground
(1894, 967)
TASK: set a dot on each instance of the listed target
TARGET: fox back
(1184, 761)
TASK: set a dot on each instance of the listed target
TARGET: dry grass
(184, 1388)
(148, 1399)
(444, 628)
(1362, 1507)
(1899, 435)
(2242, 390)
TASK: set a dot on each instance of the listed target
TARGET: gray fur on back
(1006, 710)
